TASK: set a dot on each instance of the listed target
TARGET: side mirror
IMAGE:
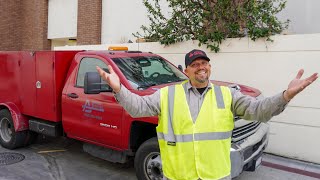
(180, 68)
(94, 85)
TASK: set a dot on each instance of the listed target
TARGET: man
(196, 118)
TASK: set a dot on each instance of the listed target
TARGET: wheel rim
(5, 129)
(153, 166)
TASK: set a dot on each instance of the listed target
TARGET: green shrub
(212, 21)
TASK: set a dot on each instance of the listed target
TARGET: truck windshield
(143, 72)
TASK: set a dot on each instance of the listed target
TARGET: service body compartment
(33, 81)
(51, 69)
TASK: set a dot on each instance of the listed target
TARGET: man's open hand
(298, 84)
(111, 78)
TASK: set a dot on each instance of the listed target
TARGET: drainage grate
(7, 158)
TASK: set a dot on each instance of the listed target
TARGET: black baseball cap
(193, 55)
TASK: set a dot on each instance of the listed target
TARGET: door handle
(72, 95)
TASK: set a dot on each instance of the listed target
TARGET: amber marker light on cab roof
(118, 48)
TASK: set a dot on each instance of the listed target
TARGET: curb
(291, 165)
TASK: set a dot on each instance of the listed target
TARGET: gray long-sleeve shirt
(243, 106)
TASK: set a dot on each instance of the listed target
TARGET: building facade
(23, 25)
(36, 25)
(30, 25)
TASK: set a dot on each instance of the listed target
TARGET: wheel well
(140, 132)
(3, 107)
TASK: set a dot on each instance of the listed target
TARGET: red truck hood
(244, 89)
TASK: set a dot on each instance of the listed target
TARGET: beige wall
(268, 67)
(302, 16)
(62, 19)
(121, 18)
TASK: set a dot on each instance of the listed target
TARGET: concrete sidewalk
(291, 165)
(64, 159)
(279, 168)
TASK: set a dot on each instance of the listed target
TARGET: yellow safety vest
(190, 151)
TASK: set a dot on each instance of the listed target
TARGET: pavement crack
(54, 169)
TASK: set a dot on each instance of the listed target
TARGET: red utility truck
(59, 93)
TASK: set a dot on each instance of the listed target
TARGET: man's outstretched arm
(135, 105)
(250, 108)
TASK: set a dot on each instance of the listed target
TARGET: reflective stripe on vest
(197, 136)
(219, 97)
(171, 138)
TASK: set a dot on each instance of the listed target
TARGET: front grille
(240, 133)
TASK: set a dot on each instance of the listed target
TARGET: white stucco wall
(121, 18)
(62, 19)
(269, 67)
(304, 16)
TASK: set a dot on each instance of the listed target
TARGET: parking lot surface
(63, 159)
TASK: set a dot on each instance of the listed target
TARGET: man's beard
(202, 80)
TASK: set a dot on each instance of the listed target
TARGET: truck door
(91, 117)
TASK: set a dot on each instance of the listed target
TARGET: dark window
(89, 65)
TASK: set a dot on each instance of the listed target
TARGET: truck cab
(75, 102)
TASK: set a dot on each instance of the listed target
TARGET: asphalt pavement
(63, 159)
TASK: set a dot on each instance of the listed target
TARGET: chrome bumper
(249, 149)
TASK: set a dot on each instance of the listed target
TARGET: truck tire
(9, 138)
(147, 161)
